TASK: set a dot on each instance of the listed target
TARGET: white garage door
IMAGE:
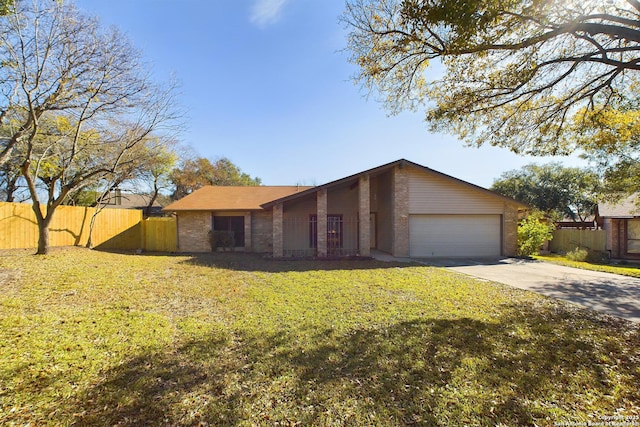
(455, 235)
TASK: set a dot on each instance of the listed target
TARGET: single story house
(621, 222)
(401, 208)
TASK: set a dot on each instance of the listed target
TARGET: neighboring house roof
(211, 198)
(626, 208)
(120, 200)
(383, 168)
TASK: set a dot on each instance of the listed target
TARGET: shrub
(533, 231)
(587, 255)
(221, 239)
(578, 254)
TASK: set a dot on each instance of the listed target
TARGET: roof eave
(253, 209)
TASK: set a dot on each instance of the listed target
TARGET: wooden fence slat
(565, 240)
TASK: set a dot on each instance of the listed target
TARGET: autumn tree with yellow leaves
(539, 77)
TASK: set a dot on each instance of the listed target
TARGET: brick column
(364, 212)
(617, 234)
(321, 211)
(248, 244)
(510, 231)
(278, 248)
(400, 212)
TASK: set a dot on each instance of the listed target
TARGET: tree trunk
(92, 224)
(43, 240)
(10, 189)
(147, 210)
(43, 228)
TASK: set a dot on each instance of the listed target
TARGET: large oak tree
(560, 192)
(522, 74)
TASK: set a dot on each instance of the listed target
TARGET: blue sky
(267, 84)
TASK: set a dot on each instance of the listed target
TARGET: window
(633, 236)
(334, 231)
(233, 224)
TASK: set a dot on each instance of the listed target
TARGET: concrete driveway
(609, 293)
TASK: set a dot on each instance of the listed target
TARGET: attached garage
(452, 218)
(455, 235)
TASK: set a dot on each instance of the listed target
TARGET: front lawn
(92, 338)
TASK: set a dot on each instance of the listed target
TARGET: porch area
(300, 237)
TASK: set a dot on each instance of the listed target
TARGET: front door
(334, 232)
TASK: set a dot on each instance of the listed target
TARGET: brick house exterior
(621, 223)
(401, 208)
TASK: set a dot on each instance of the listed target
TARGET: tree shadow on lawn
(534, 365)
(618, 298)
(255, 262)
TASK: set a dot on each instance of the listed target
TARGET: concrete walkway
(605, 292)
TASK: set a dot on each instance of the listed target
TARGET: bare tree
(77, 99)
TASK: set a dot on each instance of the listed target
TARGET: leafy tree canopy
(198, 172)
(612, 142)
(556, 190)
(518, 74)
(5, 6)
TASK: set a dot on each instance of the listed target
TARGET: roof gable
(400, 163)
(233, 198)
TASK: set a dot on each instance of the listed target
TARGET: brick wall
(262, 231)
(617, 229)
(277, 228)
(364, 209)
(400, 212)
(193, 229)
(510, 230)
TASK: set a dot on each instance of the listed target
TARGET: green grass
(631, 269)
(91, 338)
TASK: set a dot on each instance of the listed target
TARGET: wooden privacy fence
(565, 240)
(160, 234)
(114, 228)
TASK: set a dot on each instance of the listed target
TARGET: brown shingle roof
(626, 208)
(211, 198)
(130, 201)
